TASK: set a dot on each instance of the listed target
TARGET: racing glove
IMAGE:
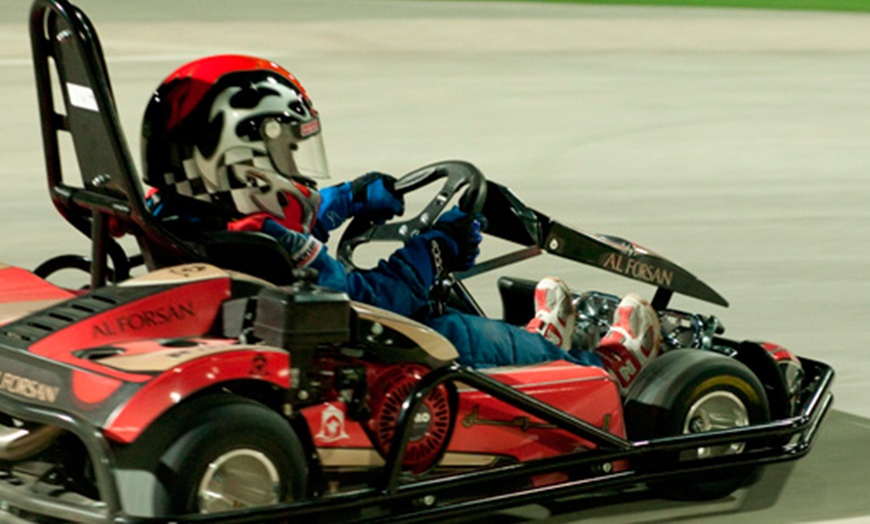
(372, 196)
(454, 241)
(375, 197)
(304, 250)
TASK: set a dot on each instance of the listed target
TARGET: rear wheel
(215, 454)
(694, 391)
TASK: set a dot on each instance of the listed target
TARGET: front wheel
(693, 391)
(214, 454)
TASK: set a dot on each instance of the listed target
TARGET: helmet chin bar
(268, 203)
(275, 194)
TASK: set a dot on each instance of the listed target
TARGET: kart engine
(389, 386)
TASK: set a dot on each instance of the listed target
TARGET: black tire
(257, 455)
(675, 394)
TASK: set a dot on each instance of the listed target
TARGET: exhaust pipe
(22, 443)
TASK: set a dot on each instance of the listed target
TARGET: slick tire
(213, 454)
(693, 391)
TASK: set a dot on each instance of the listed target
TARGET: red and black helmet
(237, 131)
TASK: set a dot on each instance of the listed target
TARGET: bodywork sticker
(27, 387)
(82, 97)
(332, 425)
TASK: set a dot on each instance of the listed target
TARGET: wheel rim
(716, 411)
(241, 478)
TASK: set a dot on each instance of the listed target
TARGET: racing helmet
(239, 132)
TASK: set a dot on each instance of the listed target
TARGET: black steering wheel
(458, 174)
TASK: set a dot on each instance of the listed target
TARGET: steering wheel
(458, 175)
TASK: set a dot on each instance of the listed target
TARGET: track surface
(735, 142)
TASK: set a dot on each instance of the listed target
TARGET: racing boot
(555, 314)
(634, 338)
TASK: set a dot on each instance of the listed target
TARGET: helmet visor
(295, 148)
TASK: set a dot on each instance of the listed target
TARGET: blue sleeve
(399, 284)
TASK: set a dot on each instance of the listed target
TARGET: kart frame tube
(393, 489)
(98, 450)
(818, 401)
(815, 407)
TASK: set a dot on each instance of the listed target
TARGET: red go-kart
(210, 385)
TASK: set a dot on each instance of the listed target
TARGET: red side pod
(488, 426)
(176, 384)
(90, 389)
(20, 285)
(22, 292)
(181, 311)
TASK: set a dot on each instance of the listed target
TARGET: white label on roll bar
(82, 97)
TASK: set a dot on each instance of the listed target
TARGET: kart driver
(234, 143)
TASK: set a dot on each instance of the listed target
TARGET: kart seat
(108, 203)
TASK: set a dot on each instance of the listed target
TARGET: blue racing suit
(401, 284)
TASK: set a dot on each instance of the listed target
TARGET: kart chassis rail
(492, 488)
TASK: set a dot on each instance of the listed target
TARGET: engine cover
(389, 386)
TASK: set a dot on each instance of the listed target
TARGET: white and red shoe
(634, 338)
(555, 315)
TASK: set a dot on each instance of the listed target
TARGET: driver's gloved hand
(372, 196)
(304, 249)
(375, 197)
(454, 240)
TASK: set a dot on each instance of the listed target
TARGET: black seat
(109, 199)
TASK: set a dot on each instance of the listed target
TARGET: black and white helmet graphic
(237, 131)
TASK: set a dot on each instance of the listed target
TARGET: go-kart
(210, 385)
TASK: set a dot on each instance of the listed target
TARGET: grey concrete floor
(735, 142)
